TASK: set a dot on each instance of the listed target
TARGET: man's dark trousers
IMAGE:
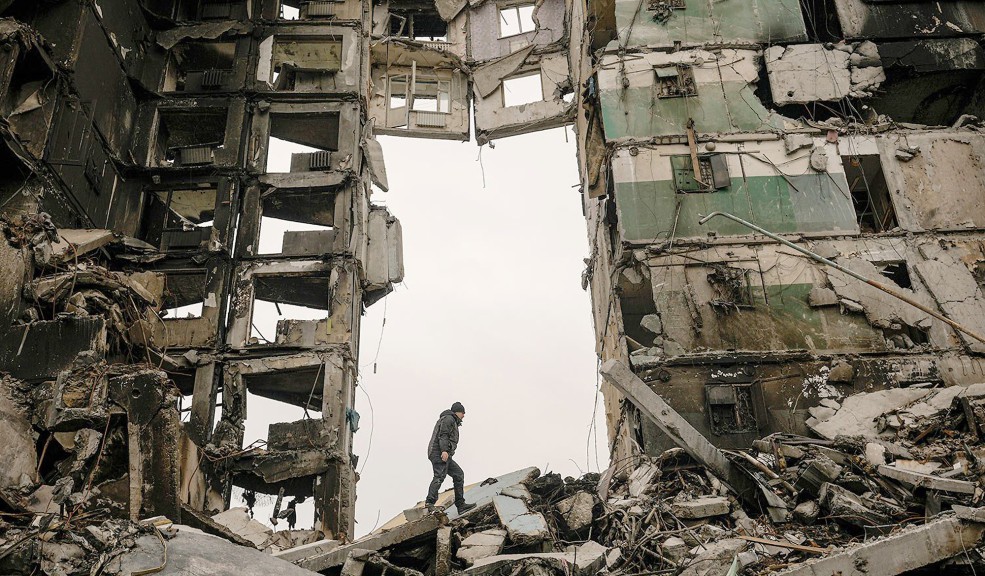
(442, 469)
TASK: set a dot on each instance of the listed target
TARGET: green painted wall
(807, 203)
(718, 108)
(712, 21)
(782, 319)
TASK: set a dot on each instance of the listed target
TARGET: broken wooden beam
(407, 531)
(908, 550)
(679, 430)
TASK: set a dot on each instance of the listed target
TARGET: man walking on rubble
(441, 448)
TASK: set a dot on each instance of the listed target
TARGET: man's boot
(464, 507)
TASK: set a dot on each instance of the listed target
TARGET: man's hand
(444, 456)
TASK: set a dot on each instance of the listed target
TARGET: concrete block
(703, 507)
(652, 323)
(481, 545)
(308, 242)
(674, 548)
(521, 524)
(576, 511)
(238, 521)
(442, 554)
(300, 435)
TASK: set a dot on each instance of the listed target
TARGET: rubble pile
(905, 476)
(892, 483)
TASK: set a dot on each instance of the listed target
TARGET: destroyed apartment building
(785, 203)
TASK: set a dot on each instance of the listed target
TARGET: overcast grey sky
(491, 314)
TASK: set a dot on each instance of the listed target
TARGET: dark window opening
(189, 137)
(200, 66)
(418, 25)
(675, 81)
(179, 219)
(897, 272)
(184, 294)
(874, 210)
(31, 74)
(215, 10)
(731, 408)
(271, 319)
(712, 171)
(636, 300)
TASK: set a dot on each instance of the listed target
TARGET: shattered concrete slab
(521, 523)
(803, 73)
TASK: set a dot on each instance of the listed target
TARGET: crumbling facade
(848, 127)
(136, 185)
(785, 206)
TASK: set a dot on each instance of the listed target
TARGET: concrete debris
(481, 545)
(803, 73)
(239, 521)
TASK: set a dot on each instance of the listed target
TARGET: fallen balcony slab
(425, 527)
(908, 550)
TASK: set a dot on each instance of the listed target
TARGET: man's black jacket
(445, 435)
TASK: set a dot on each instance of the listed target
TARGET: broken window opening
(199, 66)
(305, 62)
(280, 154)
(263, 508)
(712, 170)
(179, 219)
(431, 95)
(269, 319)
(731, 409)
(874, 209)
(184, 295)
(732, 288)
(520, 90)
(675, 81)
(186, 311)
(516, 20)
(302, 142)
(417, 26)
(189, 137)
(636, 301)
(290, 10)
(292, 238)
